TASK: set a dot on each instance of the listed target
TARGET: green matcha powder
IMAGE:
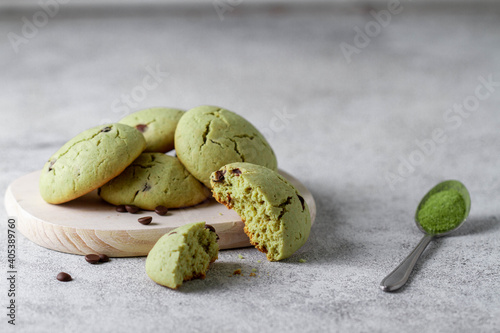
(442, 212)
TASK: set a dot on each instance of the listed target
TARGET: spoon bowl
(398, 277)
(444, 186)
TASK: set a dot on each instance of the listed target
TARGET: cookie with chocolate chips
(157, 125)
(152, 180)
(276, 216)
(208, 137)
(88, 161)
(183, 254)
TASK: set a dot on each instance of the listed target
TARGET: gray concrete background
(350, 125)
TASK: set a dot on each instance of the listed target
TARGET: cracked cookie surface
(276, 216)
(157, 125)
(154, 179)
(208, 137)
(88, 161)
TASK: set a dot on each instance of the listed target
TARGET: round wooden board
(90, 225)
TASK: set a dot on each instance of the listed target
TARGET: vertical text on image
(11, 270)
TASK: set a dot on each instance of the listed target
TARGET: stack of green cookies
(215, 149)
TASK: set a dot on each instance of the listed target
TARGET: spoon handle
(398, 277)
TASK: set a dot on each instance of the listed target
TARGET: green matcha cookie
(157, 125)
(183, 254)
(154, 179)
(208, 137)
(276, 217)
(88, 161)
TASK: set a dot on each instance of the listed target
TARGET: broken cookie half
(183, 254)
(276, 216)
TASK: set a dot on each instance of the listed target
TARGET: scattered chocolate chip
(106, 129)
(173, 232)
(141, 128)
(161, 210)
(64, 277)
(219, 176)
(145, 220)
(131, 209)
(236, 172)
(103, 258)
(92, 258)
(121, 209)
(301, 201)
(146, 187)
(237, 272)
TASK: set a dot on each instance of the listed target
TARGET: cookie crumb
(259, 261)
(221, 214)
(302, 260)
(240, 256)
(254, 269)
(252, 274)
(237, 272)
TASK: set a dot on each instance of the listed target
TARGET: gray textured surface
(352, 123)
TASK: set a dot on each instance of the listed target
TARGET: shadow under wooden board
(90, 225)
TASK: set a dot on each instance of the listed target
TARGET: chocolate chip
(51, 164)
(161, 210)
(92, 258)
(121, 209)
(219, 176)
(131, 209)
(209, 227)
(212, 229)
(301, 201)
(64, 277)
(237, 172)
(145, 220)
(141, 128)
(106, 129)
(103, 258)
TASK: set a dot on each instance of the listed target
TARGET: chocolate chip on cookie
(51, 163)
(301, 201)
(212, 229)
(141, 128)
(219, 176)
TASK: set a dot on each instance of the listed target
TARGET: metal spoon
(398, 277)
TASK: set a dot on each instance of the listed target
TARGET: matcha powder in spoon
(443, 211)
